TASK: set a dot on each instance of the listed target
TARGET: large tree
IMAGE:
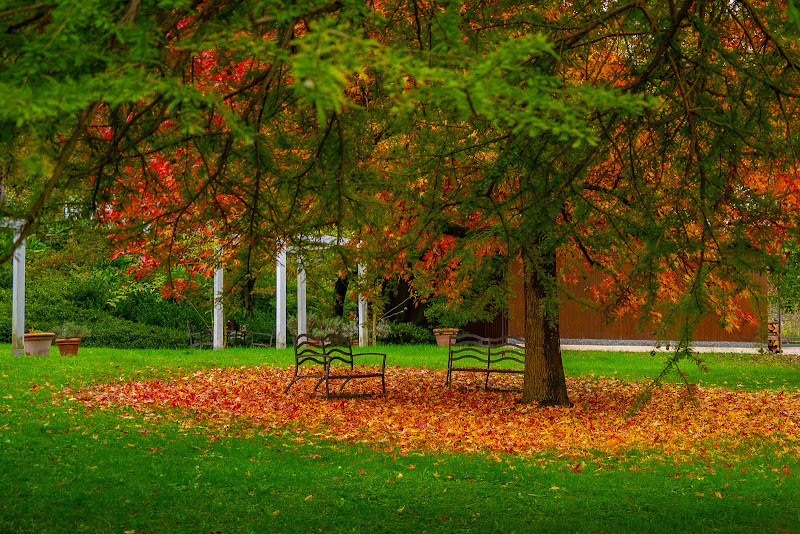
(671, 166)
(649, 140)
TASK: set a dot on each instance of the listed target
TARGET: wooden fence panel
(578, 322)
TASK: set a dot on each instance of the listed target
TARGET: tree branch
(33, 7)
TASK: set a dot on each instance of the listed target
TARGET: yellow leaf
(401, 508)
(718, 494)
(309, 497)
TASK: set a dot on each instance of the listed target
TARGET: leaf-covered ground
(419, 412)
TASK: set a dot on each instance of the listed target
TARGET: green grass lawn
(64, 468)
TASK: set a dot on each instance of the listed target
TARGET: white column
(219, 314)
(280, 300)
(18, 296)
(302, 321)
(362, 315)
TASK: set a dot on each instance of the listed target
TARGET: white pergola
(18, 291)
(280, 294)
(218, 328)
(218, 319)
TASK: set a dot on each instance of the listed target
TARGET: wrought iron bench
(236, 337)
(331, 358)
(497, 355)
(199, 339)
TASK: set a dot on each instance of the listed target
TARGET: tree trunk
(248, 299)
(339, 296)
(544, 372)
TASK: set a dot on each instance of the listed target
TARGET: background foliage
(70, 278)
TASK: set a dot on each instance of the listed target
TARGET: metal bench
(494, 354)
(331, 358)
(199, 339)
(236, 337)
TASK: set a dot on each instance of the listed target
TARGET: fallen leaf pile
(420, 412)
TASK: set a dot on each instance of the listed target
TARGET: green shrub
(441, 313)
(120, 333)
(147, 307)
(5, 315)
(5, 329)
(323, 326)
(91, 292)
(46, 299)
(341, 326)
(6, 276)
(259, 321)
(408, 334)
(72, 330)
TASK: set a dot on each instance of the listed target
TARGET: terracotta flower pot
(68, 346)
(443, 335)
(38, 343)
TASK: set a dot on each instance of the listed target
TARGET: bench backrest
(198, 339)
(313, 348)
(487, 350)
(508, 348)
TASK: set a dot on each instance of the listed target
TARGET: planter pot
(443, 335)
(68, 346)
(38, 343)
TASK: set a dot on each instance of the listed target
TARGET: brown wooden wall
(578, 322)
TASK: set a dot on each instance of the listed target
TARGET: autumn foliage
(653, 142)
(419, 412)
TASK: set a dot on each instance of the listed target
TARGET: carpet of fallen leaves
(419, 412)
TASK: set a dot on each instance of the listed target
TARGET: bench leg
(294, 379)
(346, 380)
(290, 385)
(318, 383)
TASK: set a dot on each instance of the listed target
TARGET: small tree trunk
(247, 295)
(374, 326)
(339, 296)
(544, 380)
